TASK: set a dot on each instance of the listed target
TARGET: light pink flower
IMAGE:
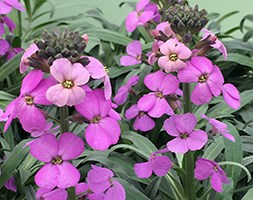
(134, 51)
(7, 5)
(231, 95)
(208, 77)
(142, 121)
(55, 153)
(162, 85)
(182, 127)
(152, 56)
(49, 194)
(165, 28)
(103, 129)
(70, 78)
(123, 92)
(217, 43)
(219, 127)
(207, 168)
(174, 52)
(23, 67)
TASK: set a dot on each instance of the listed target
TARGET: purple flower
(140, 16)
(162, 85)
(159, 164)
(134, 51)
(4, 47)
(70, 78)
(23, 67)
(6, 20)
(207, 168)
(165, 28)
(48, 129)
(103, 129)
(142, 121)
(208, 77)
(82, 190)
(49, 194)
(10, 184)
(217, 43)
(231, 95)
(7, 5)
(219, 127)
(55, 153)
(12, 52)
(174, 52)
(182, 127)
(122, 94)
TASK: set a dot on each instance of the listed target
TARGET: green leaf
(248, 195)
(146, 36)
(227, 191)
(214, 149)
(30, 193)
(247, 160)
(6, 96)
(238, 58)
(153, 187)
(247, 17)
(227, 16)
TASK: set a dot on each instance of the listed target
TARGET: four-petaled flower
(134, 51)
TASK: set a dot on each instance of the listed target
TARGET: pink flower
(122, 94)
(174, 52)
(12, 52)
(70, 78)
(134, 51)
(165, 28)
(23, 67)
(162, 85)
(182, 127)
(98, 71)
(231, 95)
(48, 129)
(55, 153)
(217, 43)
(10, 184)
(139, 17)
(7, 5)
(103, 129)
(159, 164)
(10, 24)
(4, 47)
(207, 168)
(142, 121)
(219, 127)
(208, 77)
(49, 194)
(82, 190)
(100, 180)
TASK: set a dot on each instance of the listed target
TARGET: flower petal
(203, 64)
(129, 61)
(196, 140)
(61, 70)
(159, 108)
(169, 84)
(203, 169)
(144, 123)
(161, 165)
(95, 68)
(178, 145)
(143, 170)
(80, 75)
(189, 74)
(46, 177)
(201, 94)
(146, 102)
(154, 80)
(185, 123)
(216, 182)
(132, 21)
(132, 112)
(170, 126)
(31, 80)
(115, 192)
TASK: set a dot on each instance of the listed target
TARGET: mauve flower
(10, 184)
(165, 28)
(48, 129)
(174, 52)
(70, 78)
(154, 8)
(7, 5)
(12, 52)
(98, 71)
(142, 121)
(160, 165)
(10, 24)
(217, 43)
(123, 92)
(55, 153)
(139, 17)
(49, 194)
(208, 77)
(219, 127)
(82, 190)
(134, 51)
(103, 129)
(231, 95)
(207, 168)
(4, 47)
(182, 127)
(162, 85)
(23, 67)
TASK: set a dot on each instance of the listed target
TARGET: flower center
(141, 114)
(203, 79)
(96, 119)
(215, 168)
(159, 94)
(184, 135)
(57, 160)
(138, 57)
(173, 57)
(106, 69)
(29, 100)
(68, 84)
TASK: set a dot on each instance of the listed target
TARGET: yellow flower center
(96, 119)
(159, 94)
(184, 135)
(29, 100)
(68, 84)
(173, 57)
(106, 69)
(57, 160)
(203, 79)
(215, 168)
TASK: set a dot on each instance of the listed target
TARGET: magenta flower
(82, 190)
(48, 129)
(123, 92)
(219, 127)
(55, 153)
(23, 67)
(103, 129)
(98, 71)
(182, 127)
(12, 52)
(10, 24)
(207, 168)
(165, 28)
(100, 180)
(10, 184)
(159, 164)
(174, 52)
(134, 51)
(49, 194)
(217, 43)
(231, 95)
(142, 121)
(162, 85)
(208, 77)
(4, 47)
(153, 56)
(70, 78)
(7, 5)
(140, 16)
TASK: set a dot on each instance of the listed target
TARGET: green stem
(188, 162)
(206, 193)
(71, 193)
